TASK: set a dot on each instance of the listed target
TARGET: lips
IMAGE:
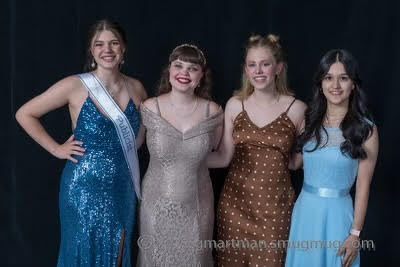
(259, 78)
(336, 92)
(183, 80)
(108, 58)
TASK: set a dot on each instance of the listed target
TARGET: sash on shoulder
(124, 130)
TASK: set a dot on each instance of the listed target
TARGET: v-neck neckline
(268, 124)
(176, 129)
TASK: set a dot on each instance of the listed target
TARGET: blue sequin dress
(323, 214)
(97, 198)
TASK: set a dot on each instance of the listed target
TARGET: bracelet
(355, 232)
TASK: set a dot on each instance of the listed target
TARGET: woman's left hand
(350, 248)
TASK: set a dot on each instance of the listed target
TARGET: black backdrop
(43, 41)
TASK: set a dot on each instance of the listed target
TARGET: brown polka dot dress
(256, 201)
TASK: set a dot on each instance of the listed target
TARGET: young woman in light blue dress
(339, 146)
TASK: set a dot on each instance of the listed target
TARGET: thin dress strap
(290, 105)
(158, 107)
(242, 105)
(208, 109)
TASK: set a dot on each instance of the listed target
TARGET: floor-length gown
(177, 210)
(323, 213)
(257, 198)
(97, 198)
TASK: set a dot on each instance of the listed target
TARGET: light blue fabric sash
(124, 130)
(325, 192)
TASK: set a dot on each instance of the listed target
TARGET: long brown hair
(271, 42)
(188, 53)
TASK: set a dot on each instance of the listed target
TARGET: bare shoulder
(214, 108)
(70, 88)
(151, 104)
(136, 88)
(296, 111)
(69, 82)
(233, 107)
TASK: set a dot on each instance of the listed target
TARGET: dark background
(44, 41)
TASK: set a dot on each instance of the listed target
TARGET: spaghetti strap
(290, 105)
(158, 107)
(208, 109)
(242, 106)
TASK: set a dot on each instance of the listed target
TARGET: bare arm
(141, 95)
(296, 114)
(222, 157)
(28, 116)
(365, 171)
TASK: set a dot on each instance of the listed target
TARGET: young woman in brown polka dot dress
(261, 124)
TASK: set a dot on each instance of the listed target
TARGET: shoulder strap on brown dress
(290, 105)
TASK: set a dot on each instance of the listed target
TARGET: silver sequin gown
(177, 209)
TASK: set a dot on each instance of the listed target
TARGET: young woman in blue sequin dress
(97, 198)
(339, 145)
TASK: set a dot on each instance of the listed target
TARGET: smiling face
(337, 85)
(261, 68)
(107, 50)
(184, 76)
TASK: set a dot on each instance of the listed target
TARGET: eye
(328, 78)
(177, 65)
(193, 69)
(266, 64)
(98, 44)
(115, 43)
(344, 78)
(251, 65)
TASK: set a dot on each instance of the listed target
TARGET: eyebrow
(101, 41)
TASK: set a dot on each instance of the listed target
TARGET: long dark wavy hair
(188, 53)
(357, 124)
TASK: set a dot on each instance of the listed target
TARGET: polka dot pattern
(257, 197)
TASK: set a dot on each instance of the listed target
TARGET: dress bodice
(327, 166)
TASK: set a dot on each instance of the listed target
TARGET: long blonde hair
(270, 41)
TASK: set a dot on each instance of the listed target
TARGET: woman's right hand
(69, 148)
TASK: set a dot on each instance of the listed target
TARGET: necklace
(185, 115)
(114, 90)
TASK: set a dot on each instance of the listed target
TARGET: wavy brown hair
(271, 42)
(188, 53)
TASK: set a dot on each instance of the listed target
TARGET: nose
(258, 69)
(108, 47)
(336, 83)
(185, 71)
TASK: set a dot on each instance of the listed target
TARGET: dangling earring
(93, 64)
(121, 63)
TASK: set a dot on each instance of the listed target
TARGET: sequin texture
(97, 199)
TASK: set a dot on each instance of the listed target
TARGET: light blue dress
(323, 213)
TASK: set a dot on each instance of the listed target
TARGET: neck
(108, 77)
(182, 98)
(335, 114)
(265, 95)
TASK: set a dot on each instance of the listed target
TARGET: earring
(93, 64)
(122, 62)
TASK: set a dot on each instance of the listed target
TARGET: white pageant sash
(125, 132)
